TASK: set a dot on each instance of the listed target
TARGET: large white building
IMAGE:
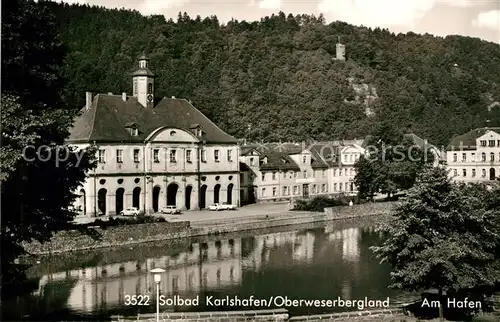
(475, 155)
(153, 152)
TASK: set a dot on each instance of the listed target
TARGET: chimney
(124, 97)
(88, 100)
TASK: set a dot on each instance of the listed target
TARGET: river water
(318, 261)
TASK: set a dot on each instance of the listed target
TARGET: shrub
(318, 204)
(124, 221)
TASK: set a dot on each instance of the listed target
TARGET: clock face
(150, 98)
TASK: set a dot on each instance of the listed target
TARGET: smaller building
(475, 155)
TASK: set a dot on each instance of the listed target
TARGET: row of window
(347, 186)
(473, 157)
(292, 174)
(351, 157)
(344, 172)
(490, 143)
(172, 155)
(473, 173)
(286, 190)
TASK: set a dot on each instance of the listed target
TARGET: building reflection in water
(204, 267)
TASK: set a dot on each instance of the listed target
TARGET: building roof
(323, 154)
(108, 116)
(468, 140)
(143, 72)
(244, 167)
(277, 161)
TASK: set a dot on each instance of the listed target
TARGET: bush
(318, 204)
(124, 221)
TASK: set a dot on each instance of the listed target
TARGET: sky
(474, 18)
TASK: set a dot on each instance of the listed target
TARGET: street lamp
(157, 277)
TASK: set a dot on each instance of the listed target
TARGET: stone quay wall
(386, 315)
(141, 233)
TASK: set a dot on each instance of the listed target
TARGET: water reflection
(328, 261)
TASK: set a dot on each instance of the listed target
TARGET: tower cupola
(143, 83)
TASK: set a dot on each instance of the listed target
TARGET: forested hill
(276, 79)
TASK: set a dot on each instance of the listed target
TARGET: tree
(38, 170)
(444, 237)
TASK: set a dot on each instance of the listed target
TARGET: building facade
(475, 155)
(153, 152)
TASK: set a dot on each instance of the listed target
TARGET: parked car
(132, 211)
(172, 210)
(216, 207)
(228, 206)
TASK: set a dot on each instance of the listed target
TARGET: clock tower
(143, 83)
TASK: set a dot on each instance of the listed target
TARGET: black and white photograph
(250, 160)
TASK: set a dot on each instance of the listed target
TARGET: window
(314, 188)
(263, 192)
(119, 155)
(323, 187)
(188, 156)
(334, 172)
(295, 190)
(173, 156)
(135, 131)
(203, 155)
(295, 174)
(102, 156)
(464, 157)
(136, 155)
(150, 88)
(473, 172)
(314, 173)
(340, 172)
(274, 191)
(483, 142)
(242, 177)
(263, 177)
(291, 174)
(498, 142)
(473, 157)
(455, 157)
(483, 157)
(274, 175)
(484, 173)
(351, 171)
(334, 187)
(304, 159)
(464, 172)
(345, 158)
(455, 173)
(340, 186)
(285, 190)
(156, 156)
(491, 143)
(216, 155)
(324, 174)
(304, 174)
(492, 156)
(230, 155)
(251, 161)
(351, 157)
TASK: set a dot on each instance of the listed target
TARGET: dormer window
(132, 128)
(197, 130)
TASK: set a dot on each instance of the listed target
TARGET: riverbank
(75, 240)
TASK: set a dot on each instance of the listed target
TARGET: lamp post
(157, 277)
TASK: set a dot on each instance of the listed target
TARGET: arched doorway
(172, 194)
(203, 196)
(82, 203)
(136, 198)
(216, 193)
(492, 174)
(187, 202)
(156, 198)
(230, 193)
(101, 201)
(119, 200)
